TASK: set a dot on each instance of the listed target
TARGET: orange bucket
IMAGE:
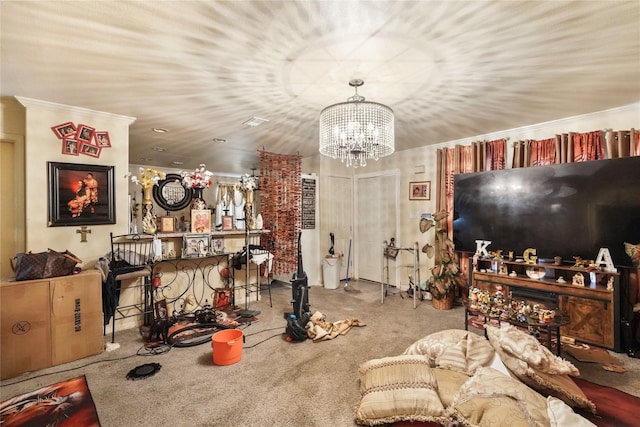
(227, 346)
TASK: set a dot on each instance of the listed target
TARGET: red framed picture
(64, 129)
(102, 139)
(90, 150)
(85, 133)
(70, 145)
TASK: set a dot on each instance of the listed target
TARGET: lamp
(356, 130)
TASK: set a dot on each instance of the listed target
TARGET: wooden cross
(83, 231)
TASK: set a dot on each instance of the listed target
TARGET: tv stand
(594, 310)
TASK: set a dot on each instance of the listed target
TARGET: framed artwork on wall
(90, 150)
(102, 139)
(81, 194)
(227, 223)
(420, 190)
(167, 224)
(85, 133)
(64, 129)
(70, 145)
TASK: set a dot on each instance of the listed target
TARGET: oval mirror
(170, 194)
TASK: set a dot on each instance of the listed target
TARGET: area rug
(65, 404)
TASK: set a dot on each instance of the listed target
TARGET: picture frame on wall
(90, 150)
(85, 133)
(102, 139)
(70, 145)
(64, 129)
(420, 190)
(80, 194)
(200, 221)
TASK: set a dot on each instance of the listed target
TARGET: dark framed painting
(420, 190)
(81, 194)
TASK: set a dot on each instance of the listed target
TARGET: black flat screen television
(566, 210)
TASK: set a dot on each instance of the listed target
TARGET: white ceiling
(449, 69)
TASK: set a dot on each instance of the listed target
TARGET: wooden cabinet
(49, 322)
(594, 309)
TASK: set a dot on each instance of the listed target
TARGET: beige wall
(42, 146)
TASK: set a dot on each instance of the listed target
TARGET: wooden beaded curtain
(281, 207)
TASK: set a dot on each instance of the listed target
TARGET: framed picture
(90, 150)
(160, 308)
(420, 190)
(167, 224)
(85, 133)
(196, 245)
(81, 194)
(227, 223)
(200, 221)
(64, 129)
(218, 246)
(70, 145)
(102, 139)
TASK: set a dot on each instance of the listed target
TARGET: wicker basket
(444, 303)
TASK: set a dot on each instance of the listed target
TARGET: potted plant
(446, 273)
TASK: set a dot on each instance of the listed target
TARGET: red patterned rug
(65, 404)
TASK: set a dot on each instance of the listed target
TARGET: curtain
(587, 146)
(281, 207)
(543, 152)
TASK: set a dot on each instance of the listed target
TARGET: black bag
(42, 265)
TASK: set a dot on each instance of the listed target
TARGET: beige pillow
(490, 398)
(400, 388)
(550, 379)
(454, 349)
(449, 383)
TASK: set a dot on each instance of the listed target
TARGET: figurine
(578, 280)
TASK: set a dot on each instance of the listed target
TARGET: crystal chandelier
(356, 130)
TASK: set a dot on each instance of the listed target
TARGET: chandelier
(356, 130)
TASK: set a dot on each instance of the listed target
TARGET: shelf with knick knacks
(589, 294)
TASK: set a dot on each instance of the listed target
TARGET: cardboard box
(25, 340)
(76, 316)
(49, 322)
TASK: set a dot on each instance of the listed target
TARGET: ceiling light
(219, 140)
(177, 163)
(356, 130)
(160, 130)
(254, 121)
(159, 149)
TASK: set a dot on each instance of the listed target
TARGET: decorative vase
(149, 225)
(198, 202)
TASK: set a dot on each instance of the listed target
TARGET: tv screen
(566, 210)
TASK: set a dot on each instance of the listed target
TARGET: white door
(338, 220)
(377, 221)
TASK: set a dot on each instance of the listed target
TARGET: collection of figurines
(497, 306)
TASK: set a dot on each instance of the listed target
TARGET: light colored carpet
(276, 383)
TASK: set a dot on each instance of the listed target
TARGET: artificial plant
(446, 272)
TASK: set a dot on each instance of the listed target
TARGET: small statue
(578, 280)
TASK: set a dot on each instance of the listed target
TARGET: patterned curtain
(587, 146)
(281, 207)
(543, 152)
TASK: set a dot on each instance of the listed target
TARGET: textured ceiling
(449, 69)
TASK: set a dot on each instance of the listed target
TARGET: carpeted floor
(276, 382)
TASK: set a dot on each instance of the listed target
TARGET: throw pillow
(400, 388)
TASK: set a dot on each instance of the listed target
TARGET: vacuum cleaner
(296, 329)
